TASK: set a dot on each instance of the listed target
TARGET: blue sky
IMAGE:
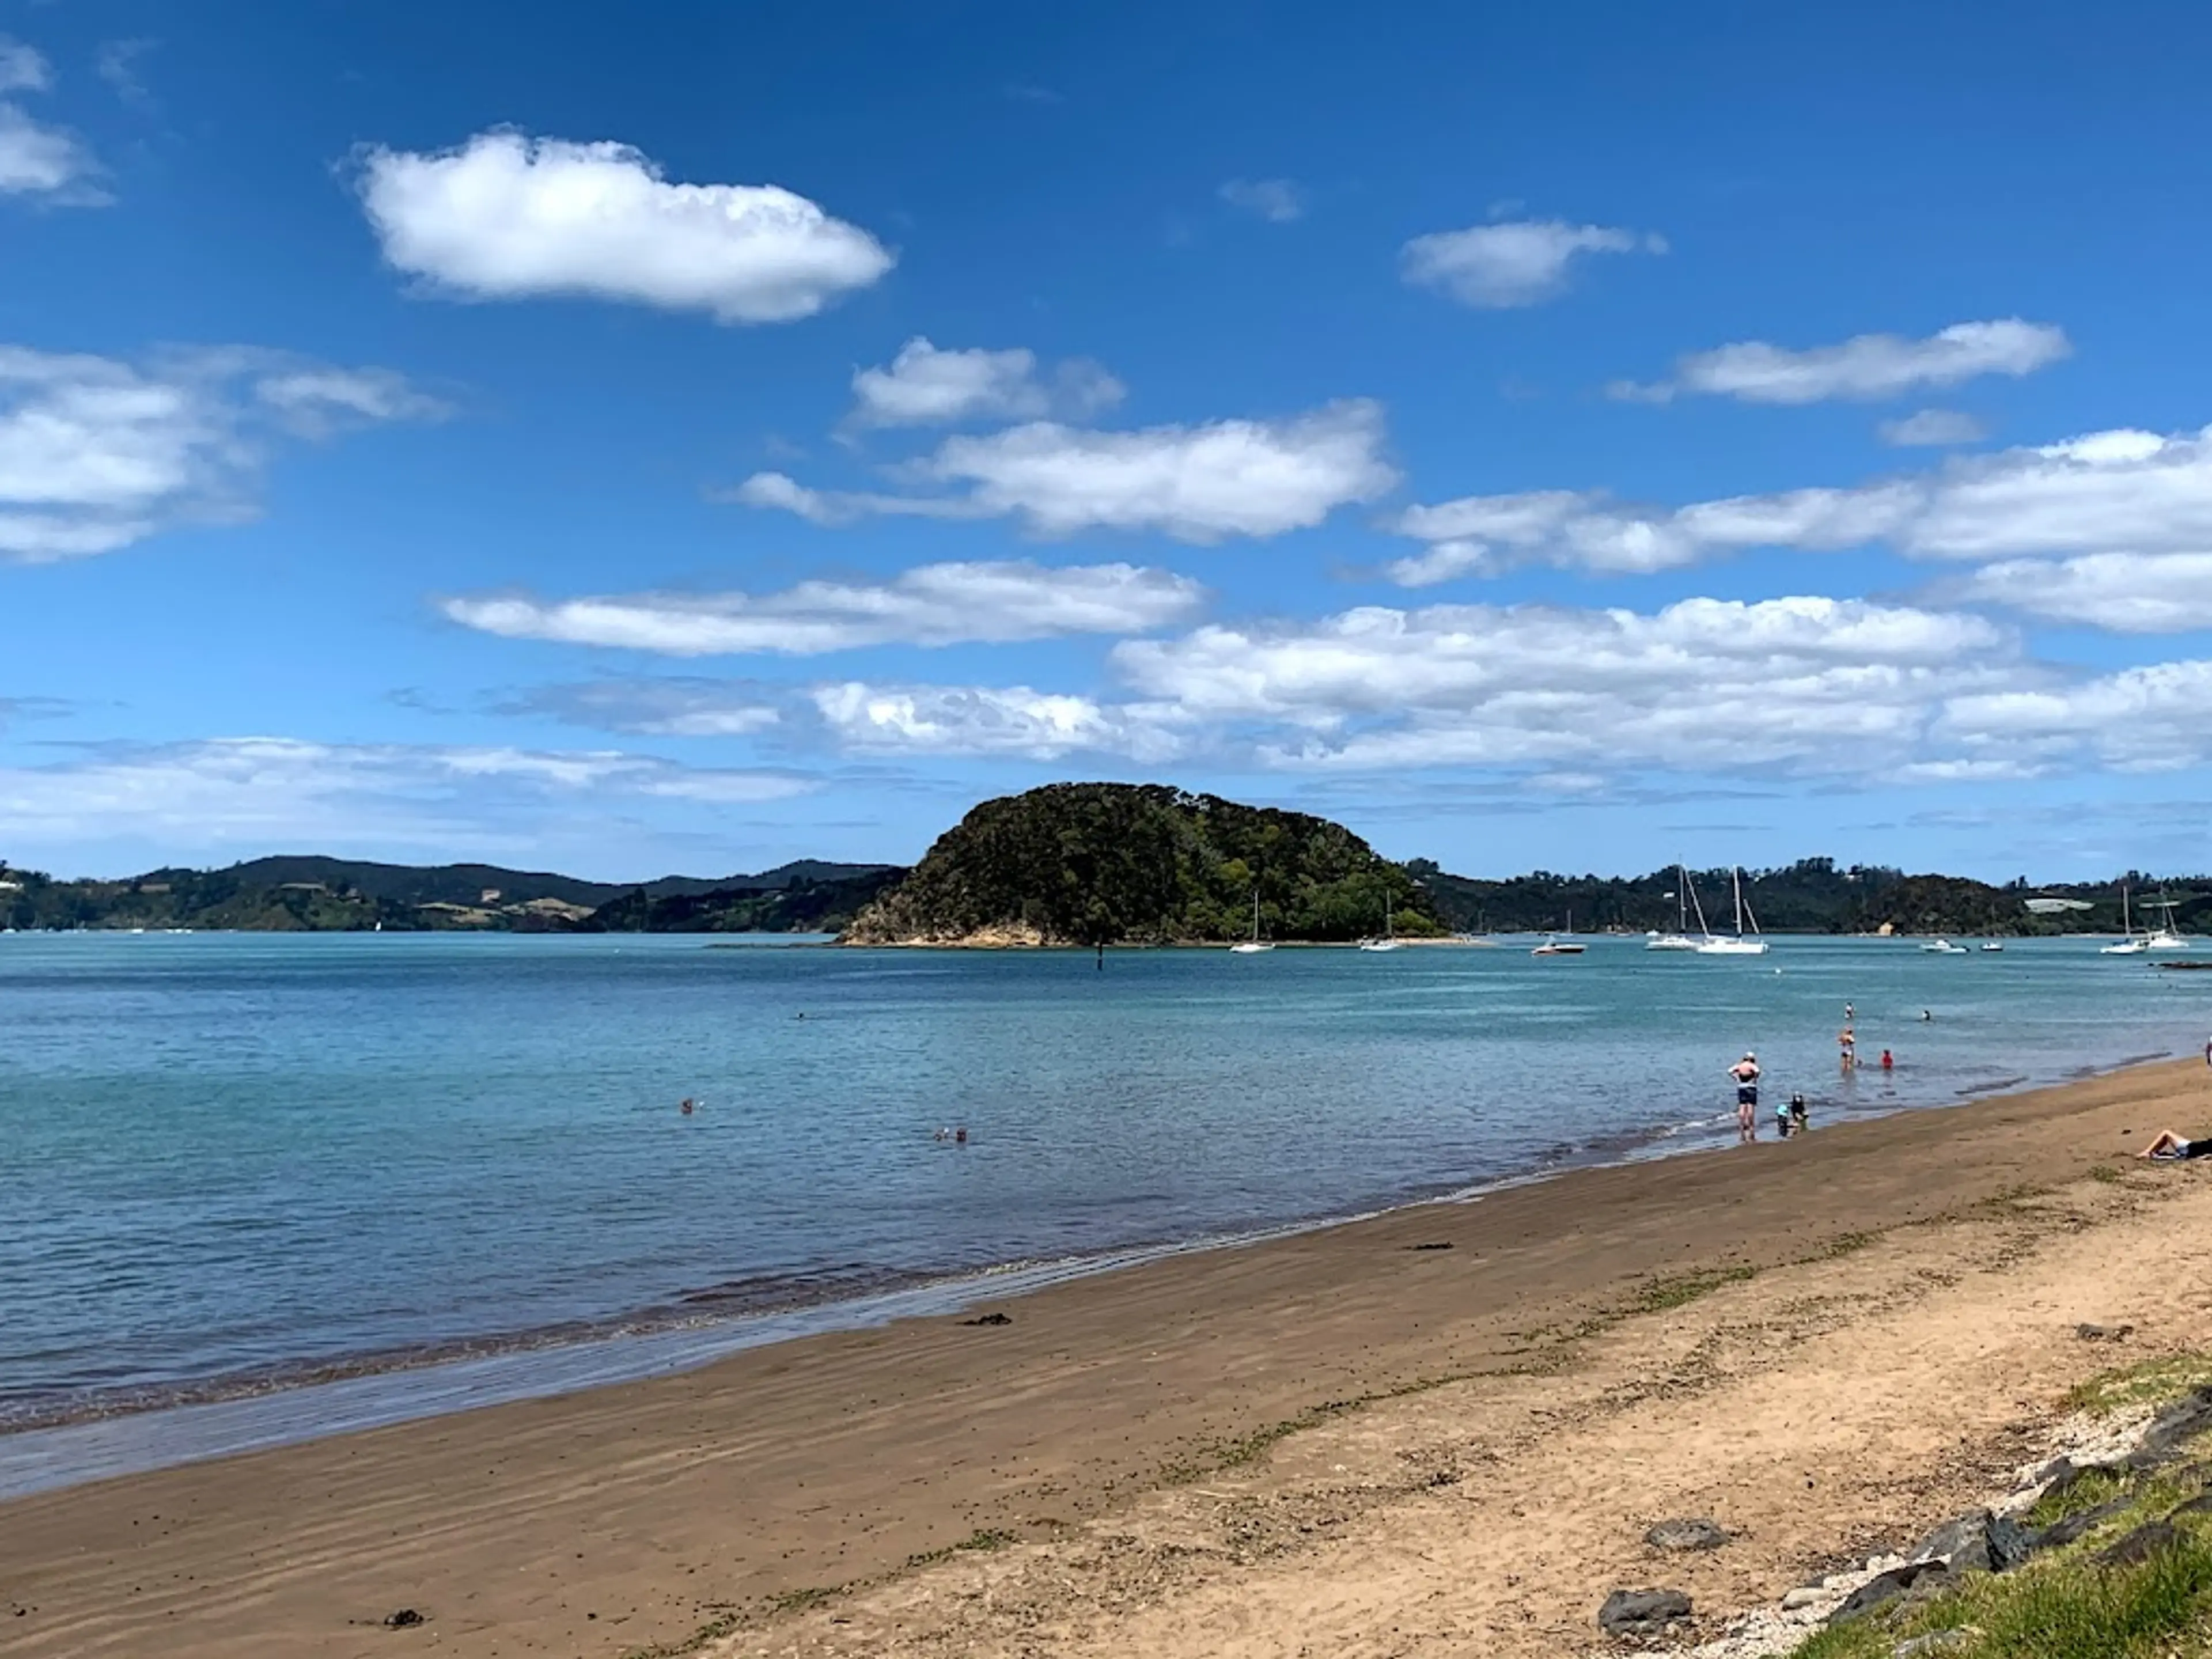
(1574, 437)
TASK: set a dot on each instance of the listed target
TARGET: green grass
(2152, 1382)
(983, 1538)
(1662, 1294)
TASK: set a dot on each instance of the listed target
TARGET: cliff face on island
(1111, 863)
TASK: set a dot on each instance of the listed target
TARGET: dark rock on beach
(403, 1619)
(2178, 1424)
(2059, 1534)
(1693, 1533)
(1642, 1612)
(990, 1319)
(2090, 1332)
(1979, 1542)
(1919, 1576)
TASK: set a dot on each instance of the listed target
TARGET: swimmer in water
(1889, 1060)
(686, 1107)
(960, 1136)
(1925, 1016)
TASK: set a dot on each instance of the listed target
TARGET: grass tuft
(2152, 1382)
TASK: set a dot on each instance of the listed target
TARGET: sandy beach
(1439, 1432)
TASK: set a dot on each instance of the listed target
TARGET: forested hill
(1112, 863)
(1813, 896)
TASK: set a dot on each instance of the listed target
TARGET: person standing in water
(1848, 1041)
(1745, 1073)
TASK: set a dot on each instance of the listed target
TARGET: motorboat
(1992, 945)
(1554, 946)
(1943, 947)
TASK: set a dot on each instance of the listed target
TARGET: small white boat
(1992, 945)
(2162, 937)
(1745, 943)
(1554, 946)
(2133, 943)
(1254, 945)
(1943, 947)
(1680, 939)
(1387, 942)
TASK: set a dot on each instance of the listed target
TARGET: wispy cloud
(1866, 366)
(1521, 263)
(924, 385)
(96, 453)
(937, 604)
(1278, 201)
(1933, 428)
(45, 162)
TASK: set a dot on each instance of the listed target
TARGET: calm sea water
(230, 1161)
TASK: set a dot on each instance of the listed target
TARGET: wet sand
(1342, 1442)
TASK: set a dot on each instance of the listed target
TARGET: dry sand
(1338, 1444)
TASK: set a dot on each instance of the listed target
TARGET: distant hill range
(1084, 864)
(326, 895)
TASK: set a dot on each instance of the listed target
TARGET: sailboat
(1680, 939)
(1743, 945)
(1254, 945)
(2163, 938)
(1387, 942)
(1554, 946)
(2132, 945)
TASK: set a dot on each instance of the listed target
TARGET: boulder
(2152, 1538)
(1696, 1533)
(406, 1618)
(1642, 1612)
(1888, 1586)
(2179, 1423)
(1979, 1542)
(1805, 1596)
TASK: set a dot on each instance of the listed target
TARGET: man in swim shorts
(1745, 1073)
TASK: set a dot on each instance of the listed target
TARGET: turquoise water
(233, 1162)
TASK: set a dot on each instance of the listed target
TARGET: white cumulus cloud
(983, 721)
(1196, 483)
(924, 385)
(506, 216)
(1865, 367)
(1522, 263)
(936, 604)
(1812, 684)
(96, 453)
(2120, 592)
(2123, 490)
(2147, 719)
(1278, 201)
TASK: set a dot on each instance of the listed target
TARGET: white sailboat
(1680, 939)
(1745, 944)
(1389, 941)
(2162, 937)
(2132, 945)
(1554, 946)
(1254, 945)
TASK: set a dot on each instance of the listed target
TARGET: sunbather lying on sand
(2170, 1146)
